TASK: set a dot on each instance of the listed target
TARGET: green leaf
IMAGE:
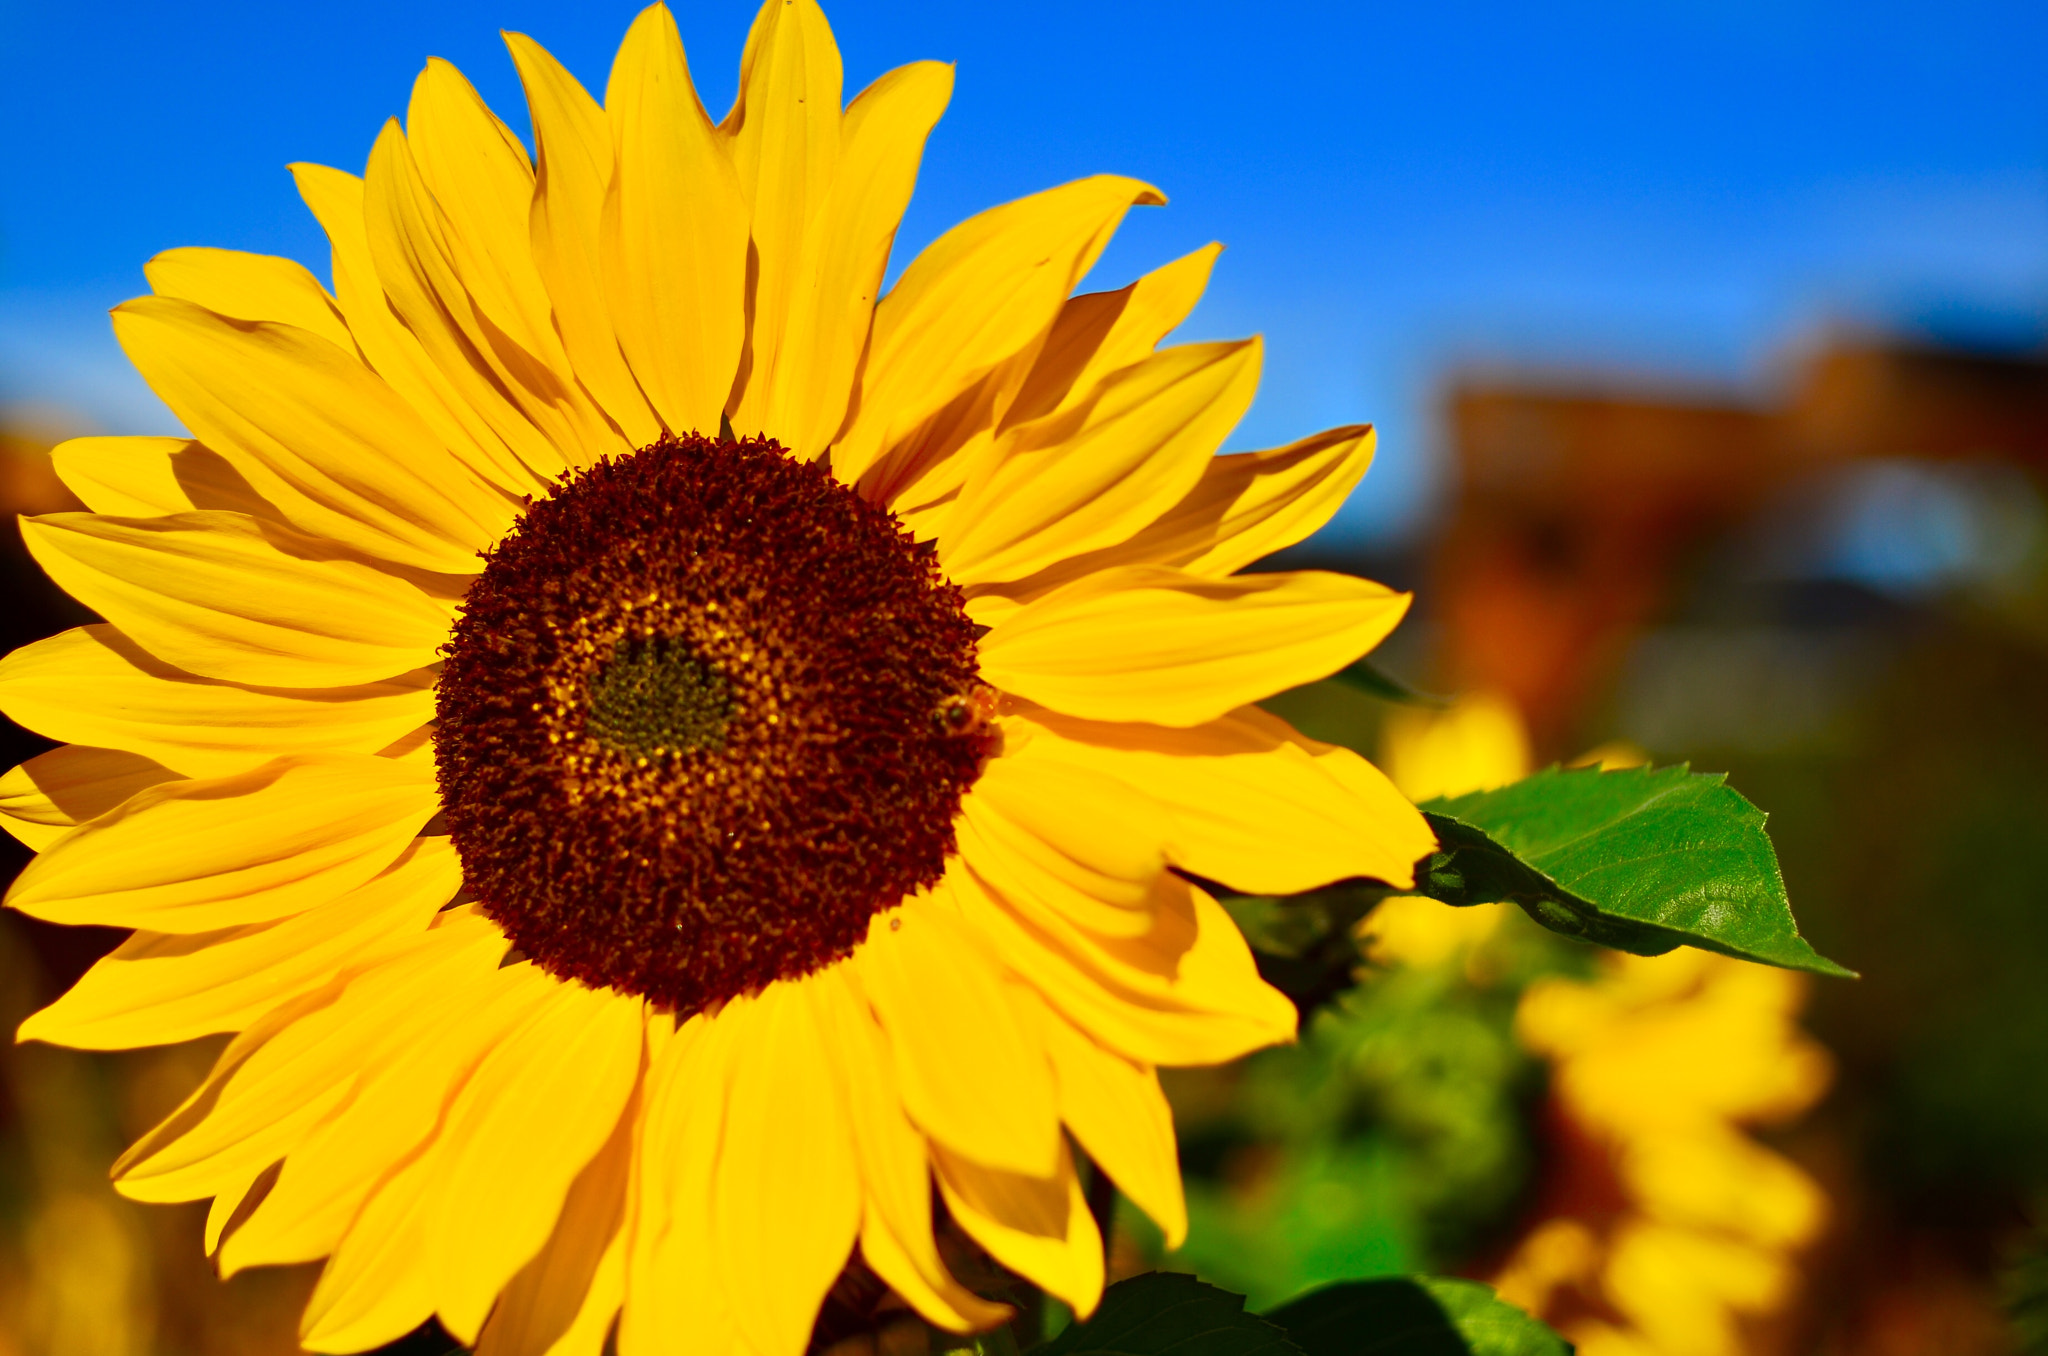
(1164, 1311)
(1413, 1316)
(1374, 681)
(1642, 860)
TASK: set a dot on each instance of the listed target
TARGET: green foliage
(1413, 1316)
(2023, 1290)
(1306, 945)
(1391, 1138)
(1164, 1311)
(1642, 860)
(1917, 846)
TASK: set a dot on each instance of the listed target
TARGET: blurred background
(1709, 349)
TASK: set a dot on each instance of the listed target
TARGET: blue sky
(1670, 188)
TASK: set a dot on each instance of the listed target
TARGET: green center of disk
(657, 696)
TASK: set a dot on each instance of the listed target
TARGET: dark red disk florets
(701, 719)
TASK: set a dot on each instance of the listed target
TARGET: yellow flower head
(660, 756)
(1670, 1219)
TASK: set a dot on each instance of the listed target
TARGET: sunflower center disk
(700, 721)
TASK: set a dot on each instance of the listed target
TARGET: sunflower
(680, 776)
(1670, 1230)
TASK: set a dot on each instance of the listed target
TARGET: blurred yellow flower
(1476, 745)
(1669, 1225)
(1664, 1224)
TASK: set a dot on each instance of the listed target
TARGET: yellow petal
(158, 988)
(213, 593)
(539, 1108)
(1714, 1177)
(93, 685)
(144, 477)
(316, 433)
(1185, 993)
(785, 145)
(249, 287)
(375, 1290)
(882, 139)
(225, 1206)
(895, 1169)
(1086, 477)
(981, 294)
(920, 479)
(1246, 506)
(1081, 843)
(444, 403)
(125, 476)
(1116, 1110)
(574, 144)
(910, 1271)
(674, 236)
(563, 1301)
(972, 1076)
(1250, 504)
(1038, 1227)
(193, 856)
(1685, 1289)
(672, 1276)
(1253, 803)
(1154, 644)
(52, 793)
(1098, 332)
(478, 173)
(750, 56)
(240, 1144)
(280, 1077)
(786, 1204)
(467, 317)
(409, 1082)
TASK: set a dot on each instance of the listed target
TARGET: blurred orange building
(1577, 511)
